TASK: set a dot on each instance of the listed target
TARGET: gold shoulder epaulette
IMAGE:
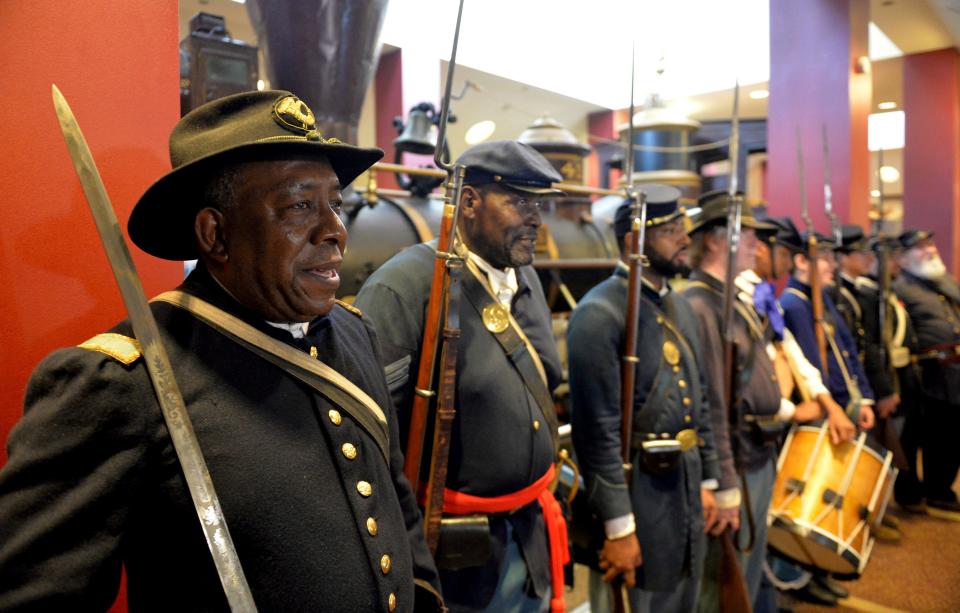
(119, 347)
(350, 308)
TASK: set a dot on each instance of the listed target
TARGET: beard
(521, 245)
(668, 267)
(931, 268)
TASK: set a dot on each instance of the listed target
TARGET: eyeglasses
(525, 207)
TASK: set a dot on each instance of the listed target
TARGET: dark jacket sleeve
(799, 319)
(594, 345)
(711, 343)
(873, 363)
(75, 461)
(424, 569)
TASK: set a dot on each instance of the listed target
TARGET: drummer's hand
(887, 405)
(840, 426)
(866, 417)
(621, 556)
(710, 514)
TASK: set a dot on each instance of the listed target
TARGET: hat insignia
(293, 114)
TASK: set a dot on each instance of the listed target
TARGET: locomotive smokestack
(325, 51)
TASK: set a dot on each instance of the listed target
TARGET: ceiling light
(480, 131)
(874, 193)
(889, 174)
(261, 85)
(759, 94)
(887, 106)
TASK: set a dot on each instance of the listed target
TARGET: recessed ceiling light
(480, 131)
(875, 193)
(887, 106)
(759, 94)
(889, 174)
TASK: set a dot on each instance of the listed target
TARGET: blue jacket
(667, 508)
(798, 315)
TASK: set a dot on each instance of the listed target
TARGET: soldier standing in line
(932, 300)
(503, 441)
(742, 425)
(655, 529)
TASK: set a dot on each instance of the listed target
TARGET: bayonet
(185, 444)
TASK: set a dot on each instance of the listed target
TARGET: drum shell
(803, 527)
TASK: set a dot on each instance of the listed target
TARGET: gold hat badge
(293, 114)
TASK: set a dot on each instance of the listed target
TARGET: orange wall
(117, 64)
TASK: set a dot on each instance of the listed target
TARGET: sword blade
(158, 364)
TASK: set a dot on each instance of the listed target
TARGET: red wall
(117, 64)
(388, 98)
(812, 83)
(931, 156)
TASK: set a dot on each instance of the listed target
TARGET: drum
(826, 499)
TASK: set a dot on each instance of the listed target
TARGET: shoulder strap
(123, 349)
(314, 373)
(797, 293)
(515, 344)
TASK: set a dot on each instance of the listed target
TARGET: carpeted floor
(920, 574)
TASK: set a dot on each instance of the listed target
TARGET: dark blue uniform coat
(798, 316)
(93, 482)
(667, 508)
(499, 443)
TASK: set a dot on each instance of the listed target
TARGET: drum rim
(879, 453)
(822, 538)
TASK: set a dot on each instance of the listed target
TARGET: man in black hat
(932, 300)
(844, 376)
(655, 529)
(744, 428)
(307, 468)
(502, 445)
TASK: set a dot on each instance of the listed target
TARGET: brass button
(651, 436)
(845, 354)
(313, 352)
(349, 451)
(536, 424)
(334, 416)
(385, 563)
(682, 384)
(687, 419)
(372, 526)
(664, 435)
(686, 401)
(659, 319)
(676, 369)
(392, 601)
(364, 488)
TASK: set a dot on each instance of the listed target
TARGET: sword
(184, 439)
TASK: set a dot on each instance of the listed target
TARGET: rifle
(816, 297)
(628, 368)
(884, 282)
(831, 214)
(733, 588)
(443, 309)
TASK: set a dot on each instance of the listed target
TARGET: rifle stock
(443, 309)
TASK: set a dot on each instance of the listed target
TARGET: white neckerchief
(503, 283)
(297, 329)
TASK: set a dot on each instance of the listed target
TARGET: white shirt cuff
(728, 499)
(709, 484)
(866, 402)
(787, 410)
(619, 527)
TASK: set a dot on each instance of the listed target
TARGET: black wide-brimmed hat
(512, 164)
(853, 239)
(713, 207)
(268, 125)
(662, 207)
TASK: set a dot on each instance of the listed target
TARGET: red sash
(458, 503)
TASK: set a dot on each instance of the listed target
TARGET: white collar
(503, 283)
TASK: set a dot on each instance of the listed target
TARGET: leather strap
(320, 377)
(515, 344)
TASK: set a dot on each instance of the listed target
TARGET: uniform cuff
(728, 499)
(619, 527)
(787, 410)
(710, 484)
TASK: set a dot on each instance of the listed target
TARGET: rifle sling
(319, 376)
(515, 344)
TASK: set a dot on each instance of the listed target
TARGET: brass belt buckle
(688, 439)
